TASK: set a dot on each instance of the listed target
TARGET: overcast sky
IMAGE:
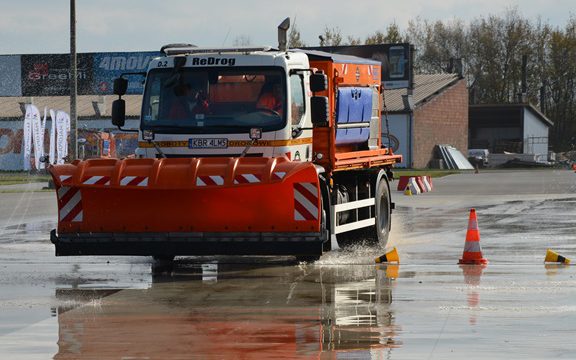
(42, 26)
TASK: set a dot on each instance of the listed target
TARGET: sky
(42, 26)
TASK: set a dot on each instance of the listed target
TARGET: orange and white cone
(472, 251)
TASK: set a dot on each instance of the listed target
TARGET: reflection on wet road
(320, 311)
(343, 306)
(242, 312)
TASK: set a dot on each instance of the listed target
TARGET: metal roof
(337, 58)
(87, 106)
(425, 87)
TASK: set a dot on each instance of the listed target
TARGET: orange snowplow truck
(250, 151)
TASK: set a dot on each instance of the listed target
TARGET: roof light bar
(179, 49)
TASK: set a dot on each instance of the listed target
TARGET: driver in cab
(271, 97)
(187, 103)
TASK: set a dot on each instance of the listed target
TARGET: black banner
(396, 60)
(49, 75)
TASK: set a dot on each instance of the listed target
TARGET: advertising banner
(49, 74)
(62, 129)
(396, 59)
(12, 139)
(38, 138)
(108, 66)
(27, 127)
(52, 144)
(10, 80)
(33, 137)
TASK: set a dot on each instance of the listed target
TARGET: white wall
(399, 128)
(535, 135)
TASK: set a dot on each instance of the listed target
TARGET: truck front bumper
(190, 243)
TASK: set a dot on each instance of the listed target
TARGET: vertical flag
(37, 136)
(61, 136)
(52, 149)
(68, 128)
(27, 136)
(42, 137)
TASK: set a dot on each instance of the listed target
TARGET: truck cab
(203, 103)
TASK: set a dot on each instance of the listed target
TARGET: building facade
(437, 113)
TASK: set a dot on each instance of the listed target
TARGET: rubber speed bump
(390, 256)
(552, 256)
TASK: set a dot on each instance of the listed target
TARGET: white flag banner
(61, 136)
(27, 127)
(68, 128)
(43, 137)
(52, 149)
(37, 136)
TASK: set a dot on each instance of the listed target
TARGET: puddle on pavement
(230, 310)
(278, 309)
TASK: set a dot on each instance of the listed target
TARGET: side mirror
(318, 82)
(118, 111)
(120, 86)
(320, 111)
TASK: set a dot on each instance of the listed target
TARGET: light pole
(73, 146)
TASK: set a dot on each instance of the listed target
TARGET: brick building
(437, 113)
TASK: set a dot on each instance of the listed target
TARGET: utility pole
(73, 146)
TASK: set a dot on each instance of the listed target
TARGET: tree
(392, 36)
(497, 47)
(436, 43)
(353, 41)
(331, 37)
(294, 40)
(561, 85)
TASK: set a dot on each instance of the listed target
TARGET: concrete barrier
(402, 183)
(414, 186)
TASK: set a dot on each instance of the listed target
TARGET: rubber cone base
(390, 256)
(481, 261)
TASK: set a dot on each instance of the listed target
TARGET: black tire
(163, 258)
(381, 231)
(308, 259)
(162, 264)
(378, 233)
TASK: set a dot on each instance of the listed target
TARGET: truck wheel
(377, 233)
(380, 232)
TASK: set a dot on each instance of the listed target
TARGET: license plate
(210, 143)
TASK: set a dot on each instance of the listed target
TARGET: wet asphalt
(341, 306)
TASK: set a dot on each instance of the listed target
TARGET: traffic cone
(552, 256)
(472, 251)
(408, 191)
(390, 256)
(392, 271)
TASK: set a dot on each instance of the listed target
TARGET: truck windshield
(214, 100)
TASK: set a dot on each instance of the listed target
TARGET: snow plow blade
(188, 206)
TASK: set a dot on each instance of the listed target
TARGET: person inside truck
(187, 102)
(271, 97)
